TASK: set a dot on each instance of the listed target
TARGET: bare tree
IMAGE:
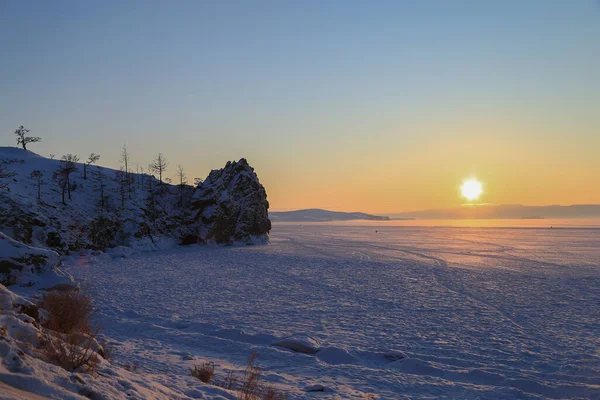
(197, 181)
(91, 160)
(23, 139)
(121, 180)
(125, 160)
(158, 166)
(5, 173)
(63, 174)
(60, 178)
(182, 183)
(52, 155)
(100, 179)
(38, 175)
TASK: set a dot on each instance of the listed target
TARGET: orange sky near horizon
(537, 169)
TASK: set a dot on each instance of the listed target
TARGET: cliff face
(230, 205)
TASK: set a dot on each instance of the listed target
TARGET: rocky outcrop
(230, 205)
(19, 262)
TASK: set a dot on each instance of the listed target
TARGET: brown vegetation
(249, 386)
(73, 352)
(68, 311)
(68, 338)
(204, 372)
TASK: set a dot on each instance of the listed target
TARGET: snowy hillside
(318, 215)
(111, 208)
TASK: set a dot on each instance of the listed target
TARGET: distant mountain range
(500, 211)
(318, 215)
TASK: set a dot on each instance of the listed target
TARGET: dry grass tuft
(204, 372)
(73, 351)
(68, 311)
(270, 393)
(250, 389)
(69, 339)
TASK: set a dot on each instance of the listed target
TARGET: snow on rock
(10, 301)
(19, 262)
(300, 344)
(336, 355)
(230, 205)
(20, 327)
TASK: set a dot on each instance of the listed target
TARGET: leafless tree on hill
(159, 166)
(23, 139)
(93, 158)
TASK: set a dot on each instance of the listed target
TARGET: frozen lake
(480, 313)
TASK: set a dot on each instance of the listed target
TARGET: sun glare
(471, 189)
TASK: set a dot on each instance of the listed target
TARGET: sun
(471, 189)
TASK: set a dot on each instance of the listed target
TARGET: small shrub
(69, 311)
(69, 340)
(250, 389)
(204, 372)
(73, 351)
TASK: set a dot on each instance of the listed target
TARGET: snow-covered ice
(404, 312)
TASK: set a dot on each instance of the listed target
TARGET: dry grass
(250, 389)
(270, 393)
(68, 339)
(204, 372)
(73, 351)
(68, 311)
(231, 381)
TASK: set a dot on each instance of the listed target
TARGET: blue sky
(339, 104)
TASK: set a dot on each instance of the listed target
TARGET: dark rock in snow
(230, 205)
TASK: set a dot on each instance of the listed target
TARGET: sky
(374, 106)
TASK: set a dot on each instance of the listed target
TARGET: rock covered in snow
(300, 344)
(19, 261)
(230, 205)
(10, 301)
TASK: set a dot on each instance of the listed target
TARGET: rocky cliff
(230, 205)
